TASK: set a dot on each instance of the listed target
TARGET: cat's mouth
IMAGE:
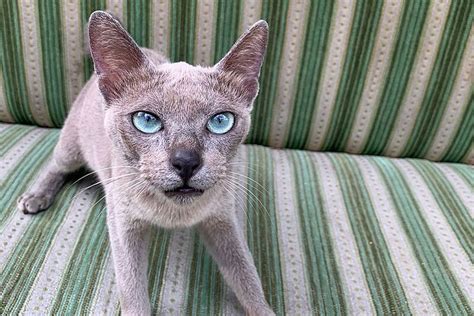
(184, 190)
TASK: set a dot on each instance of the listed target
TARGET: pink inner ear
(114, 52)
(241, 66)
(112, 48)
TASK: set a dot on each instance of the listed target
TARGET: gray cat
(161, 137)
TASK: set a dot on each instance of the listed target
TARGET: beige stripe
(376, 76)
(106, 298)
(293, 264)
(116, 8)
(457, 104)
(33, 61)
(204, 32)
(402, 254)
(5, 115)
(420, 76)
(465, 192)
(251, 13)
(12, 230)
(352, 274)
(449, 245)
(331, 75)
(74, 48)
(14, 155)
(176, 275)
(469, 158)
(59, 253)
(4, 127)
(296, 20)
(160, 32)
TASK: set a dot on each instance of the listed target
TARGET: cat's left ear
(241, 65)
(116, 55)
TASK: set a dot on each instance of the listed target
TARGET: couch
(357, 175)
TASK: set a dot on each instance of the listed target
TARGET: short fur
(134, 168)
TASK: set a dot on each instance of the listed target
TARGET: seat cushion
(330, 233)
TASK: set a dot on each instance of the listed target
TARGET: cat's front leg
(129, 241)
(230, 251)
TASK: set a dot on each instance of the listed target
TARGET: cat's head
(179, 124)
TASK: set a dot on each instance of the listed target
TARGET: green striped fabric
(391, 78)
(331, 233)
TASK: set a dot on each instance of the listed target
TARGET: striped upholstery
(336, 234)
(377, 77)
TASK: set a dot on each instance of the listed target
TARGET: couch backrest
(372, 77)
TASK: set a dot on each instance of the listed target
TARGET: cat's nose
(186, 162)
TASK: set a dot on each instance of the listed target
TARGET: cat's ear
(244, 60)
(114, 52)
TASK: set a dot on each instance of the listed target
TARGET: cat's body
(177, 176)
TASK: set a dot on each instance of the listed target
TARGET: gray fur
(134, 168)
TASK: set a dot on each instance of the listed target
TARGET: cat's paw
(30, 203)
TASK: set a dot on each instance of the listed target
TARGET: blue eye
(146, 123)
(221, 123)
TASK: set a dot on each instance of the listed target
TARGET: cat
(162, 138)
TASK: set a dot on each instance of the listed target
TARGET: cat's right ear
(114, 52)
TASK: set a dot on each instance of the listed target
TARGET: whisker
(252, 194)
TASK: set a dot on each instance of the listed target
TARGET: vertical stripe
(4, 113)
(86, 9)
(331, 74)
(13, 68)
(465, 192)
(274, 12)
(231, 305)
(408, 268)
(437, 268)
(116, 7)
(456, 213)
(361, 42)
(73, 49)
(457, 105)
(251, 10)
(263, 236)
(206, 286)
(469, 157)
(397, 79)
(379, 65)
(176, 276)
(205, 28)
(391, 127)
(59, 253)
(33, 245)
(33, 65)
(159, 248)
(443, 75)
(292, 51)
(291, 240)
(10, 139)
(182, 28)
(226, 30)
(52, 48)
(353, 279)
(106, 298)
(74, 294)
(382, 276)
(160, 27)
(11, 158)
(326, 295)
(461, 148)
(309, 70)
(138, 21)
(449, 246)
